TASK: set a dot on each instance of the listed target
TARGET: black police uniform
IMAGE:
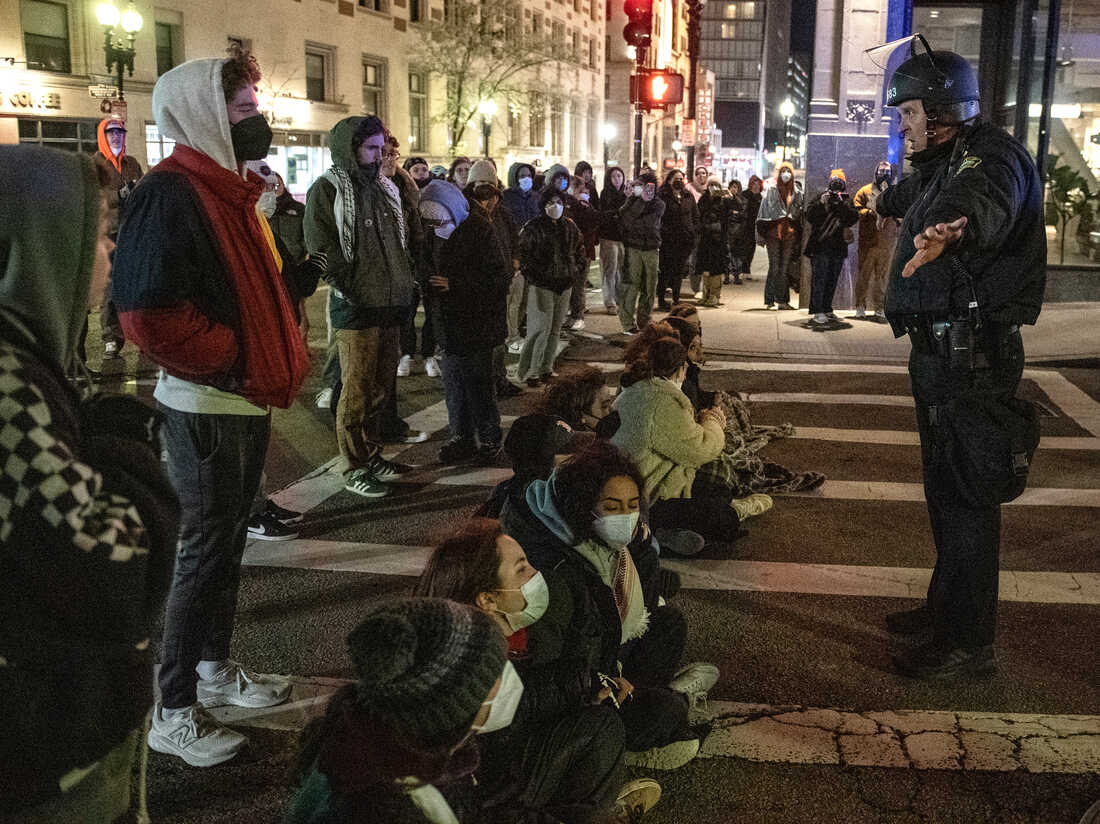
(988, 177)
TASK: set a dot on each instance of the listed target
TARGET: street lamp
(786, 108)
(487, 109)
(607, 132)
(119, 56)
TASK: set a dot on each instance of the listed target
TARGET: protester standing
(679, 232)
(831, 216)
(612, 199)
(199, 289)
(740, 232)
(778, 224)
(877, 237)
(459, 172)
(583, 211)
(640, 221)
(521, 201)
(754, 196)
(354, 214)
(713, 256)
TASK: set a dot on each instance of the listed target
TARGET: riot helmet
(938, 78)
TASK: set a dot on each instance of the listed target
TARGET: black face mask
(677, 184)
(836, 186)
(251, 138)
(882, 177)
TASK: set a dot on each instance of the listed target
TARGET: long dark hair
(666, 356)
(464, 564)
(636, 365)
(570, 396)
(579, 480)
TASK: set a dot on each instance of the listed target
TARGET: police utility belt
(964, 342)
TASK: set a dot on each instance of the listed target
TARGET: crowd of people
(541, 652)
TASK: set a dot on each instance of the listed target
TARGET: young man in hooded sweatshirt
(354, 215)
(88, 523)
(198, 283)
(521, 201)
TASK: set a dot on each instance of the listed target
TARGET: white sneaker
(404, 366)
(773, 307)
(880, 313)
(432, 367)
(755, 504)
(821, 319)
(698, 296)
(191, 734)
(669, 757)
(110, 349)
(324, 398)
(516, 346)
(861, 312)
(577, 325)
(235, 685)
(694, 681)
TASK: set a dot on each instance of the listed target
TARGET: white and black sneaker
(193, 735)
(694, 681)
(266, 527)
(382, 470)
(282, 514)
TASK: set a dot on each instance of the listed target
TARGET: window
(575, 132)
(374, 87)
(157, 147)
(169, 46)
(318, 73)
(418, 112)
(557, 38)
(575, 37)
(46, 36)
(593, 126)
(67, 135)
(557, 125)
(414, 11)
(577, 5)
(592, 53)
(380, 6)
(536, 28)
(512, 29)
(515, 127)
(743, 11)
(536, 120)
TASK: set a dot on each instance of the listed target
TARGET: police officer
(969, 268)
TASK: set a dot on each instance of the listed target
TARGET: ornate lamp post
(488, 110)
(786, 108)
(119, 55)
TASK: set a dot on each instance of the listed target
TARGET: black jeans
(570, 767)
(427, 331)
(471, 392)
(656, 715)
(962, 595)
(214, 463)
(707, 512)
(671, 270)
(777, 289)
(826, 272)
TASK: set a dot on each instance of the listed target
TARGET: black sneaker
(910, 621)
(533, 383)
(940, 662)
(281, 514)
(507, 389)
(487, 454)
(264, 527)
(382, 470)
(457, 450)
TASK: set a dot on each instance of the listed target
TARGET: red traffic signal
(654, 88)
(639, 15)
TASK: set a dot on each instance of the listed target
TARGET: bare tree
(480, 47)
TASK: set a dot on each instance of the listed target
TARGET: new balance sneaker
(756, 504)
(669, 757)
(432, 367)
(832, 316)
(636, 798)
(404, 366)
(235, 685)
(382, 470)
(695, 681)
(282, 514)
(363, 483)
(191, 734)
(266, 527)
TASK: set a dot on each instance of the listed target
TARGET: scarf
(343, 208)
(616, 569)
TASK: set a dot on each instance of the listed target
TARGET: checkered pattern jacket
(79, 587)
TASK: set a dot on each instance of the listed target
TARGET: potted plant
(1069, 196)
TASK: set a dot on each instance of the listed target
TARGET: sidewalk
(743, 327)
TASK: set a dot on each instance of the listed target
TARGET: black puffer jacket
(551, 253)
(827, 224)
(680, 227)
(611, 200)
(987, 176)
(714, 223)
(640, 221)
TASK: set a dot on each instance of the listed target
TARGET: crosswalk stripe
(900, 437)
(829, 398)
(734, 576)
(897, 491)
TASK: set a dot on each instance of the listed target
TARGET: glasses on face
(391, 154)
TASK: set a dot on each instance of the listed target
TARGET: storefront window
(46, 36)
(67, 135)
(157, 147)
(301, 158)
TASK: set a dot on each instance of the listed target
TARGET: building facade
(323, 60)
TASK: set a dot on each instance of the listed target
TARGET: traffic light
(639, 16)
(654, 88)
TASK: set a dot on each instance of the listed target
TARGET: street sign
(101, 91)
(115, 109)
(687, 132)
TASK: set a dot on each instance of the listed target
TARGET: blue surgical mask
(616, 530)
(525, 184)
(563, 184)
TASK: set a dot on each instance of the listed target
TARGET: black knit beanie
(426, 665)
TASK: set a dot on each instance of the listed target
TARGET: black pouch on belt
(988, 444)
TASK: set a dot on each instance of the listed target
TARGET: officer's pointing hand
(931, 242)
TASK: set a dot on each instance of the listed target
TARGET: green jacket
(374, 287)
(659, 432)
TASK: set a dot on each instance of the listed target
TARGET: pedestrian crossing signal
(655, 88)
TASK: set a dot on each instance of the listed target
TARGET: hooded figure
(88, 527)
(117, 172)
(679, 232)
(713, 257)
(779, 223)
(877, 237)
(521, 199)
(612, 252)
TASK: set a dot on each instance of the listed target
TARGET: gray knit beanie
(426, 665)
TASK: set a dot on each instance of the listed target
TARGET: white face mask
(785, 177)
(583, 196)
(537, 597)
(616, 530)
(525, 184)
(267, 203)
(637, 190)
(502, 707)
(554, 210)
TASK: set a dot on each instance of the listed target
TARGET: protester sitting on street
(831, 216)
(640, 221)
(562, 755)
(89, 521)
(611, 200)
(474, 275)
(431, 674)
(580, 397)
(712, 258)
(551, 255)
(584, 524)
(679, 233)
(199, 289)
(533, 446)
